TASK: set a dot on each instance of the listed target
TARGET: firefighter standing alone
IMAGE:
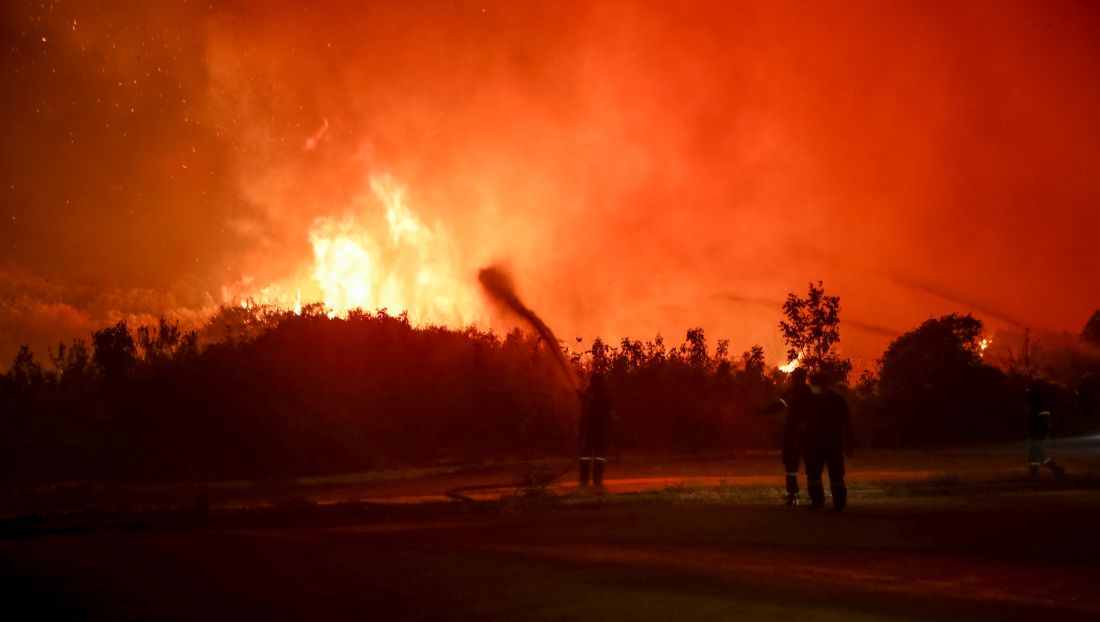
(595, 433)
(794, 399)
(827, 439)
(1038, 429)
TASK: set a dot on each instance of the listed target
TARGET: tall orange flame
(396, 262)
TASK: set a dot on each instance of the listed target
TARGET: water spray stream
(498, 285)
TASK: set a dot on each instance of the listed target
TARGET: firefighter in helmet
(794, 400)
(827, 439)
(595, 432)
(1039, 402)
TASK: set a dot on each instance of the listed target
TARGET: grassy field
(743, 476)
(945, 535)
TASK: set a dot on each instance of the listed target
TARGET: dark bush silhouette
(684, 400)
(260, 393)
(933, 388)
(114, 352)
(1091, 331)
(281, 394)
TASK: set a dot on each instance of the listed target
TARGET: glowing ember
(983, 344)
(313, 141)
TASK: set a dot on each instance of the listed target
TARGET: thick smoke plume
(498, 285)
(668, 151)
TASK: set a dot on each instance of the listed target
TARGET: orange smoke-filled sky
(641, 167)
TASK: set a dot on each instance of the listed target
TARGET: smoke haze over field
(642, 167)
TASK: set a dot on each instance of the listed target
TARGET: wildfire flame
(983, 345)
(397, 263)
(791, 365)
(269, 295)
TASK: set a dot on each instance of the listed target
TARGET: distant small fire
(791, 365)
(983, 345)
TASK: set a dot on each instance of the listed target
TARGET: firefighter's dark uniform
(1038, 430)
(595, 431)
(794, 400)
(827, 438)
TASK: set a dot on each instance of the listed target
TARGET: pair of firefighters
(818, 430)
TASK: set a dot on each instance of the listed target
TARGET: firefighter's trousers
(816, 462)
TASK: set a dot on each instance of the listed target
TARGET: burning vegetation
(379, 255)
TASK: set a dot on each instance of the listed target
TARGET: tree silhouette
(1091, 331)
(601, 356)
(74, 365)
(811, 330)
(114, 352)
(935, 351)
(165, 341)
(695, 348)
(752, 361)
(1028, 360)
(934, 388)
(25, 372)
(631, 354)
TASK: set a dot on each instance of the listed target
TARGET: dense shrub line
(265, 393)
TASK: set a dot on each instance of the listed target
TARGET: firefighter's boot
(792, 488)
(597, 471)
(817, 495)
(840, 496)
(586, 470)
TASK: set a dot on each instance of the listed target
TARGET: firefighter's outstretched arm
(774, 407)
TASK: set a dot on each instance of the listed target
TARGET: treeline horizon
(264, 393)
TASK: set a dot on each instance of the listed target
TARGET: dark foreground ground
(992, 547)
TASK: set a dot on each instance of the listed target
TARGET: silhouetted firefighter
(828, 437)
(1038, 429)
(595, 430)
(794, 400)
